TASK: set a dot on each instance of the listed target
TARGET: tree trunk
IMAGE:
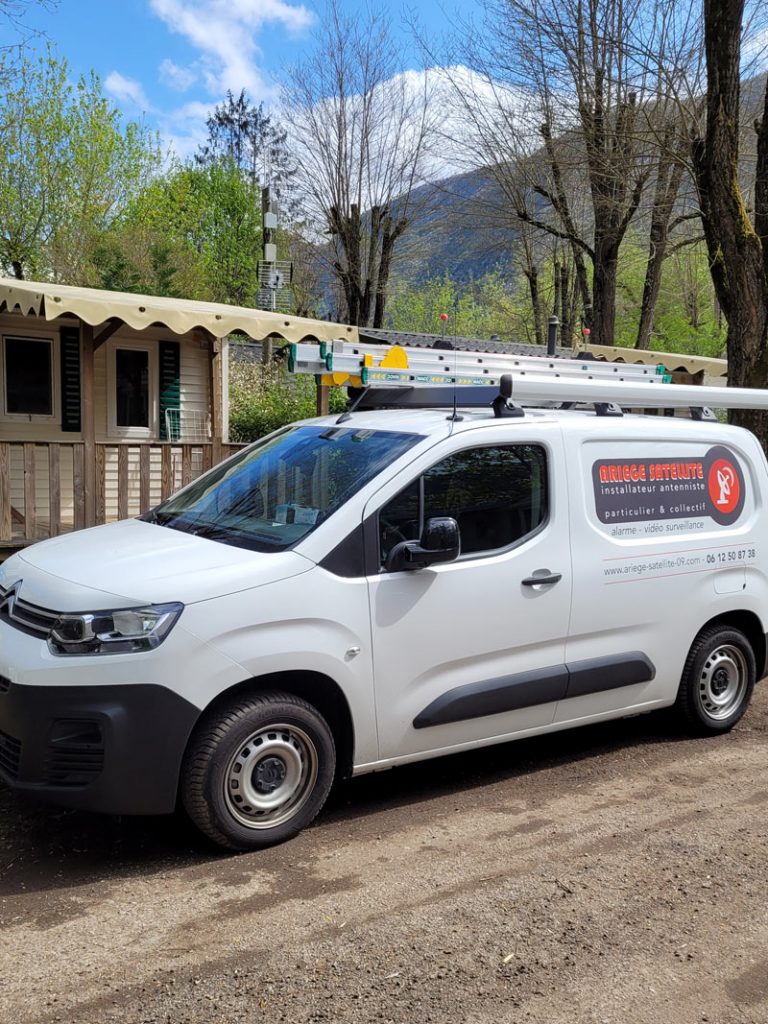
(761, 181)
(559, 199)
(371, 290)
(616, 186)
(566, 330)
(385, 265)
(532, 277)
(735, 251)
(668, 179)
(651, 289)
(390, 234)
(604, 290)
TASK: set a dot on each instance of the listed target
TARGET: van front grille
(29, 618)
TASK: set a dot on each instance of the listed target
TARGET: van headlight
(113, 632)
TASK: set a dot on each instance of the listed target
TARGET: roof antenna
(454, 417)
(347, 414)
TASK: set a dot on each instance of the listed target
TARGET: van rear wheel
(258, 770)
(718, 680)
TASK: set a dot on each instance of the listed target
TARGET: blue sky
(172, 60)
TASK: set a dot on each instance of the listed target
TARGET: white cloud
(225, 33)
(184, 129)
(175, 77)
(127, 90)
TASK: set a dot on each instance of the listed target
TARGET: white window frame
(137, 433)
(29, 417)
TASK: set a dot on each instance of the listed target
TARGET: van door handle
(544, 578)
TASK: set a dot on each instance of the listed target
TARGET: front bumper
(115, 749)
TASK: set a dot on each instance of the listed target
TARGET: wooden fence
(42, 485)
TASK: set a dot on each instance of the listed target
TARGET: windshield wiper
(158, 518)
(237, 538)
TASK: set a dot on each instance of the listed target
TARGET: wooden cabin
(111, 401)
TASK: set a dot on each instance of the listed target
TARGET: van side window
(496, 494)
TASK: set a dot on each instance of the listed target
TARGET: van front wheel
(258, 770)
(718, 680)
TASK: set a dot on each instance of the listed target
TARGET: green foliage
(263, 398)
(194, 233)
(68, 164)
(686, 320)
(480, 309)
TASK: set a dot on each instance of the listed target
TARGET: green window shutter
(170, 382)
(69, 345)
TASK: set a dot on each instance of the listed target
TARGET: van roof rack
(395, 377)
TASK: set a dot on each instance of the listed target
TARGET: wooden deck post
(323, 399)
(6, 521)
(88, 424)
(216, 397)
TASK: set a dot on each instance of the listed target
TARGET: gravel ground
(612, 874)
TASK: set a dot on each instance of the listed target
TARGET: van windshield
(274, 493)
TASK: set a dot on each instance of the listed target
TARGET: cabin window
(28, 377)
(132, 389)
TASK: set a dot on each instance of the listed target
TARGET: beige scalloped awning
(179, 315)
(671, 360)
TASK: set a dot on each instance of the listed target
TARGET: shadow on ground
(45, 848)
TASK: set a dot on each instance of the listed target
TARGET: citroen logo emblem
(10, 599)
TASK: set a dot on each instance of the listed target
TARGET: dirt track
(616, 874)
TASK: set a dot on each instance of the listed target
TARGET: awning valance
(672, 360)
(179, 315)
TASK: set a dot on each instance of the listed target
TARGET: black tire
(717, 683)
(258, 770)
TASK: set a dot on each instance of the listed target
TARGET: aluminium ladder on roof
(496, 363)
(567, 384)
(363, 365)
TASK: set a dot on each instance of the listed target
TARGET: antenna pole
(554, 323)
(454, 417)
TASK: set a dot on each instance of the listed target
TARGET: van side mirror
(440, 541)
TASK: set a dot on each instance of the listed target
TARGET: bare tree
(737, 246)
(671, 48)
(360, 128)
(490, 129)
(306, 284)
(670, 169)
(582, 69)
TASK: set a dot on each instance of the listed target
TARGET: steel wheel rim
(271, 776)
(723, 682)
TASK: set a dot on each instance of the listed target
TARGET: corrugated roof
(179, 315)
(409, 339)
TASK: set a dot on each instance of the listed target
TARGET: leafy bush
(263, 398)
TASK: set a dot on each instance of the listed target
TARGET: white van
(343, 597)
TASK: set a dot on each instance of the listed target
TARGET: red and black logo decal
(638, 490)
(725, 485)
